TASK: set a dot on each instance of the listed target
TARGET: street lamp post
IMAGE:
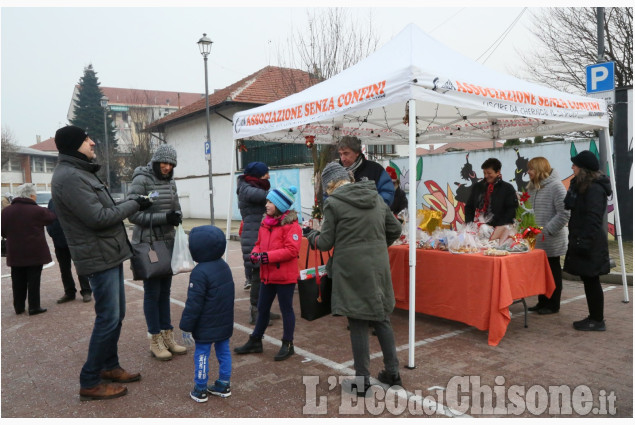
(104, 104)
(205, 46)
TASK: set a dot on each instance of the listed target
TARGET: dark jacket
(92, 223)
(23, 227)
(502, 204)
(55, 229)
(370, 170)
(145, 181)
(400, 202)
(359, 227)
(588, 251)
(251, 203)
(209, 309)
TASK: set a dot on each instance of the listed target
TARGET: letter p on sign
(600, 77)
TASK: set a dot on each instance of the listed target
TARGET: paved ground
(42, 356)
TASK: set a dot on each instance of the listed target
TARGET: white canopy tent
(415, 90)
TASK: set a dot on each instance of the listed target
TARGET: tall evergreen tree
(89, 115)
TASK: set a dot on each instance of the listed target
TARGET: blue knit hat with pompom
(282, 197)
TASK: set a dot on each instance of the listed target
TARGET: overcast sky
(44, 49)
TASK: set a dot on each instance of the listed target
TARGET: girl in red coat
(276, 250)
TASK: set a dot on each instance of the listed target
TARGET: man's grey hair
(350, 142)
(25, 190)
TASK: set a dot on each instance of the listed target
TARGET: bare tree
(568, 43)
(9, 148)
(136, 146)
(330, 42)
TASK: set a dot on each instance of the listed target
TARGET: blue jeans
(201, 362)
(110, 309)
(156, 304)
(285, 300)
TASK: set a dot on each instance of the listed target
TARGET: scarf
(258, 182)
(274, 221)
(488, 194)
(355, 165)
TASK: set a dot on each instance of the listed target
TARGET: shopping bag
(314, 289)
(182, 261)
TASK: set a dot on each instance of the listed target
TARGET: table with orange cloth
(471, 288)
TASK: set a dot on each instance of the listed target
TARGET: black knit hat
(69, 138)
(586, 159)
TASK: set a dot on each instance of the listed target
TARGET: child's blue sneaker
(220, 388)
(199, 395)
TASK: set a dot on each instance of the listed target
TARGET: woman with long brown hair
(546, 195)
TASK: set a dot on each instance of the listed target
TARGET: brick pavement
(42, 356)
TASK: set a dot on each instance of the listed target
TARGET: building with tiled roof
(133, 109)
(186, 130)
(265, 86)
(47, 146)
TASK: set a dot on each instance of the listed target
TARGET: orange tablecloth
(470, 288)
(303, 255)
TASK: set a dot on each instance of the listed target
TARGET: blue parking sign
(600, 77)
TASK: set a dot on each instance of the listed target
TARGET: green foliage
(525, 216)
(539, 139)
(512, 142)
(89, 115)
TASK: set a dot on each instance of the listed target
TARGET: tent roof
(457, 100)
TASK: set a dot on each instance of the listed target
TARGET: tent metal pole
(412, 227)
(231, 191)
(616, 211)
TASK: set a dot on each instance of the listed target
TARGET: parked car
(43, 199)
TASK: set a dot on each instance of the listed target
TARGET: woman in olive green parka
(359, 226)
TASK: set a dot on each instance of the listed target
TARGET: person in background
(164, 215)
(277, 251)
(349, 149)
(546, 195)
(97, 237)
(492, 200)
(401, 201)
(6, 200)
(359, 227)
(252, 190)
(208, 317)
(588, 251)
(63, 255)
(27, 251)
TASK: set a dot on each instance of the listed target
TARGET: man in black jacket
(492, 200)
(63, 255)
(99, 245)
(352, 158)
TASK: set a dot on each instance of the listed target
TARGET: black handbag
(151, 259)
(315, 292)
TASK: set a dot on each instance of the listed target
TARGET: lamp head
(205, 45)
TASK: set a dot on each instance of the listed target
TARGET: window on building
(50, 164)
(124, 116)
(37, 164)
(12, 165)
(379, 151)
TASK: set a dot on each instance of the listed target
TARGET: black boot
(391, 379)
(285, 351)
(254, 345)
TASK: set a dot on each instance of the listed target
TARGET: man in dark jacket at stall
(349, 149)
(99, 245)
(492, 200)
(63, 255)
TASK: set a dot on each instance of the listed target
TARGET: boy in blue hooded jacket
(208, 317)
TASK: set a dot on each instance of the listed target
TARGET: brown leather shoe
(119, 375)
(102, 392)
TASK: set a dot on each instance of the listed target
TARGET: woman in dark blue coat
(209, 310)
